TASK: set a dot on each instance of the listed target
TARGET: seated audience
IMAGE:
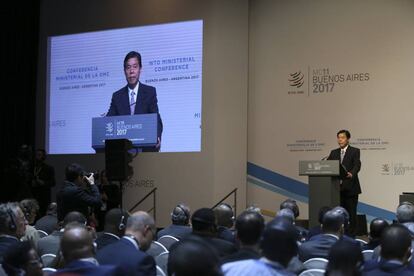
(293, 206)
(287, 214)
(204, 227)
(180, 227)
(79, 193)
(224, 220)
(12, 226)
(129, 252)
(193, 257)
(345, 258)
(318, 246)
(278, 244)
(115, 223)
(30, 208)
(79, 255)
(316, 230)
(376, 227)
(22, 259)
(48, 223)
(395, 253)
(249, 229)
(51, 243)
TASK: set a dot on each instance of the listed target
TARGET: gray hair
(405, 213)
(8, 216)
(138, 220)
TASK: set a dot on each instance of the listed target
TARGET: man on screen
(135, 97)
(349, 183)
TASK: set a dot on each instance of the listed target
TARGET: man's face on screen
(342, 140)
(132, 71)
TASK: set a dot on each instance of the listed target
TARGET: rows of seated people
(205, 242)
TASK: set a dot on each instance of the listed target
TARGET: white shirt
(344, 149)
(135, 91)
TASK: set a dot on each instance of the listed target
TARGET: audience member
(376, 227)
(225, 220)
(30, 208)
(293, 206)
(115, 224)
(79, 255)
(204, 226)
(51, 243)
(22, 259)
(279, 246)
(249, 229)
(193, 257)
(318, 246)
(316, 230)
(79, 193)
(12, 226)
(345, 259)
(180, 227)
(49, 222)
(129, 252)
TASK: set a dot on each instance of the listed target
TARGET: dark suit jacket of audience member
(105, 239)
(50, 244)
(85, 268)
(382, 268)
(74, 198)
(226, 234)
(125, 255)
(177, 231)
(5, 243)
(47, 223)
(223, 248)
(242, 254)
(317, 247)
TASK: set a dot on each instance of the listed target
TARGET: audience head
(74, 217)
(181, 215)
(279, 241)
(249, 228)
(292, 205)
(286, 214)
(115, 221)
(333, 222)
(405, 212)
(224, 215)
(396, 243)
(203, 221)
(22, 259)
(77, 243)
(40, 155)
(253, 208)
(74, 173)
(193, 257)
(344, 213)
(52, 209)
(345, 258)
(376, 227)
(30, 208)
(322, 212)
(12, 220)
(141, 226)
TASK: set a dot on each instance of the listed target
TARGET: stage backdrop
(319, 66)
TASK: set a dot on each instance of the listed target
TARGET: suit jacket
(104, 240)
(317, 247)
(85, 268)
(5, 243)
(177, 231)
(124, 254)
(383, 268)
(352, 162)
(47, 223)
(146, 103)
(242, 254)
(222, 247)
(74, 198)
(50, 244)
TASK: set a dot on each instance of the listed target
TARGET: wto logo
(296, 79)
(109, 128)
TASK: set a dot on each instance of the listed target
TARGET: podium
(141, 130)
(324, 187)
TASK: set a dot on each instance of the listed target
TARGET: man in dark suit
(49, 222)
(180, 227)
(115, 223)
(12, 226)
(79, 255)
(318, 246)
(135, 97)
(129, 252)
(349, 182)
(79, 193)
(376, 227)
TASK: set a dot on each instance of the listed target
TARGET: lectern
(323, 185)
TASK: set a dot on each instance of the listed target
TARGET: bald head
(77, 243)
(142, 226)
(333, 222)
(224, 215)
